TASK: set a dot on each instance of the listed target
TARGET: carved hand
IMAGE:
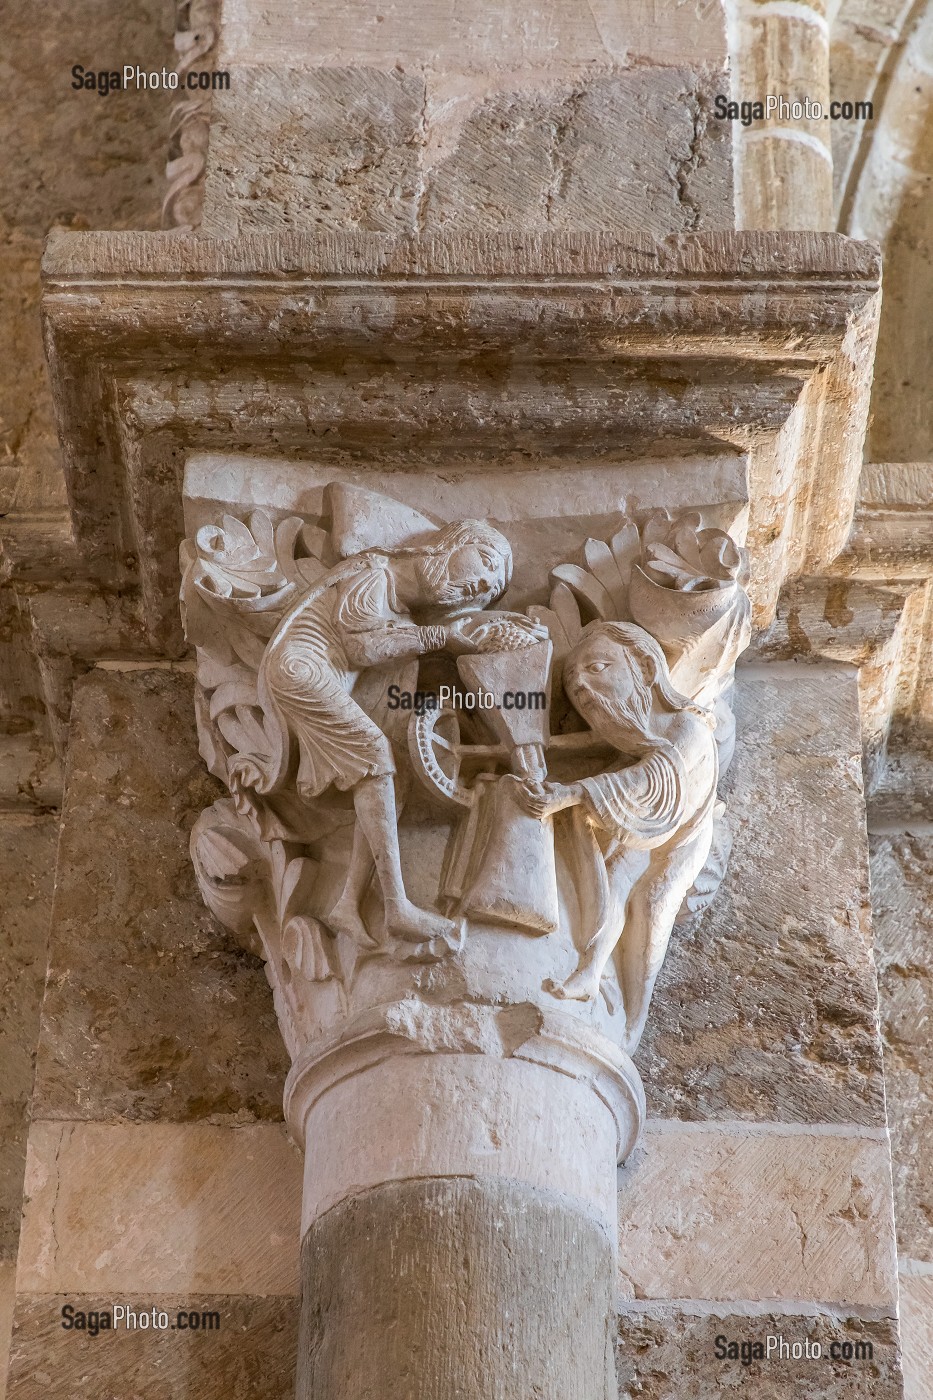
(501, 631)
(544, 799)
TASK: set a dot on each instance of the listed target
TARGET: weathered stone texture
(151, 1010)
(27, 873)
(335, 148)
(475, 33)
(767, 1005)
(902, 899)
(81, 159)
(672, 1356)
(390, 151)
(916, 1316)
(7, 1301)
(812, 1215)
(902, 416)
(128, 1207)
(475, 1289)
(250, 1357)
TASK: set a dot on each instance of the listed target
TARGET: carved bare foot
(434, 950)
(406, 921)
(582, 986)
(345, 918)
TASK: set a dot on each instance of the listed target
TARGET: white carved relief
(196, 33)
(531, 839)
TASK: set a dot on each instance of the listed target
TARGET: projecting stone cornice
(510, 349)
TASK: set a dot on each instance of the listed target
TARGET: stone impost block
(740, 323)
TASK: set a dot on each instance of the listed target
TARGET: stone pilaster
(783, 165)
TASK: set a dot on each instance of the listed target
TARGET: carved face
(473, 576)
(607, 683)
(603, 670)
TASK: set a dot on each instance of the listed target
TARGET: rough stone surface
(673, 1357)
(357, 146)
(7, 1301)
(473, 33)
(250, 1357)
(902, 902)
(151, 1010)
(916, 1313)
(27, 872)
(767, 1006)
(81, 160)
(902, 419)
(815, 1212)
(160, 1206)
(470, 1281)
(333, 148)
(635, 150)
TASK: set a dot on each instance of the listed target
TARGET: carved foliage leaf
(305, 945)
(602, 585)
(682, 555)
(305, 950)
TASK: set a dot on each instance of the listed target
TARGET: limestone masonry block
(160, 1207)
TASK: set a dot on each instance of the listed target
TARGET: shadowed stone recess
(472, 1283)
(766, 1008)
(673, 1357)
(27, 872)
(902, 892)
(249, 1357)
(151, 1010)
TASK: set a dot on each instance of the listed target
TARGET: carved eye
(596, 666)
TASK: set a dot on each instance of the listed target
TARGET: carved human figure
(375, 609)
(642, 829)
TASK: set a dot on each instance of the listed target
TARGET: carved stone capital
(460, 834)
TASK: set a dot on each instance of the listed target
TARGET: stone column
(784, 165)
(459, 986)
(459, 1214)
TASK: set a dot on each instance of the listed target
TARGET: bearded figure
(374, 611)
(642, 830)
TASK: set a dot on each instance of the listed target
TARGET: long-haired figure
(647, 823)
(376, 609)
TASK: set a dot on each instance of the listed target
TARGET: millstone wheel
(434, 743)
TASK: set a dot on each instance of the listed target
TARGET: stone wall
(432, 117)
(158, 1171)
(156, 1121)
(78, 160)
(82, 161)
(902, 891)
